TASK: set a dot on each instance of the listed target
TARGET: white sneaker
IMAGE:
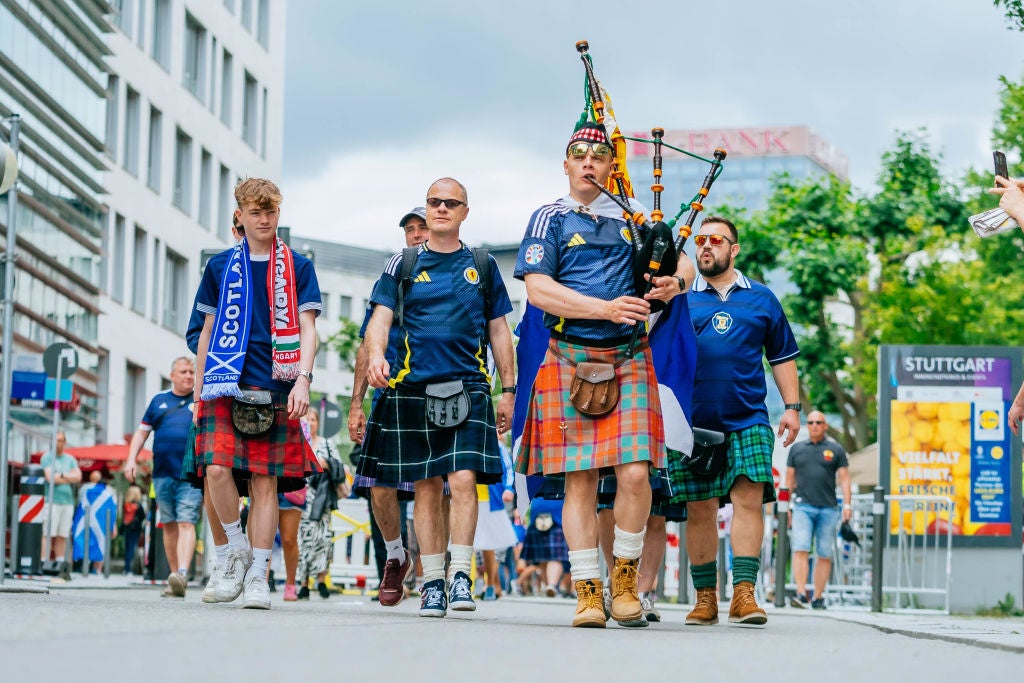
(256, 591)
(210, 591)
(647, 605)
(229, 586)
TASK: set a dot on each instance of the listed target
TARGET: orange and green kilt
(282, 452)
(633, 432)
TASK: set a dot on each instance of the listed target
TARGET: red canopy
(104, 456)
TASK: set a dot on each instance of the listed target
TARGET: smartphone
(1000, 164)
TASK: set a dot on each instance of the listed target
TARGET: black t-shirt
(816, 465)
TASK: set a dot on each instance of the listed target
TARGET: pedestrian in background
(62, 471)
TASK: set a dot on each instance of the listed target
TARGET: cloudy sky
(384, 97)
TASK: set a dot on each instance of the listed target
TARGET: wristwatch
(794, 406)
(682, 284)
(509, 390)
(308, 374)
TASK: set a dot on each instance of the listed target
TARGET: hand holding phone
(999, 160)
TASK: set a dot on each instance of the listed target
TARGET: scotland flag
(100, 499)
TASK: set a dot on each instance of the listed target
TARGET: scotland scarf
(230, 339)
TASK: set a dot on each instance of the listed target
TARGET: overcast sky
(384, 97)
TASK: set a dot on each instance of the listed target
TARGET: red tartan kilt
(281, 452)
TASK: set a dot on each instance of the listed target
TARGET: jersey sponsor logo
(828, 455)
(721, 322)
(422, 277)
(472, 277)
(534, 254)
(624, 234)
(577, 241)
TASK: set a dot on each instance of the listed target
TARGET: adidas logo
(162, 406)
(422, 277)
(576, 241)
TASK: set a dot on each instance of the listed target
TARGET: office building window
(131, 132)
(134, 396)
(230, 5)
(154, 279)
(113, 87)
(250, 112)
(117, 260)
(321, 356)
(194, 68)
(161, 48)
(156, 124)
(247, 15)
(263, 125)
(226, 85)
(346, 308)
(139, 270)
(123, 15)
(225, 206)
(176, 304)
(211, 99)
(263, 23)
(183, 172)
(140, 35)
(325, 305)
(205, 188)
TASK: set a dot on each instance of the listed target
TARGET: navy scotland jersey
(394, 334)
(169, 417)
(733, 335)
(592, 256)
(444, 317)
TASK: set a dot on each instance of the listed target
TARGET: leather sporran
(710, 454)
(544, 522)
(252, 413)
(447, 404)
(595, 388)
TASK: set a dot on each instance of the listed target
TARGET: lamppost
(8, 176)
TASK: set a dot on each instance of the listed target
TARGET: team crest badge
(624, 233)
(534, 254)
(828, 455)
(721, 322)
(472, 277)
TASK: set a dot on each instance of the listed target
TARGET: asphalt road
(113, 635)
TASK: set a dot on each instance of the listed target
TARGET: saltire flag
(530, 351)
(674, 354)
(101, 501)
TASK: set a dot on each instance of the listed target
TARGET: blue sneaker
(460, 598)
(490, 593)
(433, 601)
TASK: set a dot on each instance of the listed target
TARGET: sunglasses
(434, 202)
(715, 240)
(815, 422)
(579, 149)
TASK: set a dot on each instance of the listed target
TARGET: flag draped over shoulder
(674, 354)
(101, 501)
(533, 344)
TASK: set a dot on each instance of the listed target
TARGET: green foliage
(345, 342)
(1003, 608)
(1014, 13)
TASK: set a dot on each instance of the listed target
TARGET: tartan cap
(588, 132)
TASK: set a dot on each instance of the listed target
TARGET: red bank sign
(749, 142)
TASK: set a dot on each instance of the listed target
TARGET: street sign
(8, 168)
(30, 385)
(330, 419)
(63, 354)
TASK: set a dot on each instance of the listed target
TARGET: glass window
(140, 35)
(247, 15)
(131, 132)
(346, 308)
(117, 260)
(113, 85)
(154, 279)
(249, 111)
(263, 23)
(176, 303)
(263, 125)
(194, 69)
(139, 268)
(161, 48)
(325, 303)
(134, 396)
(205, 187)
(155, 148)
(183, 172)
(211, 100)
(123, 15)
(230, 5)
(226, 85)
(224, 205)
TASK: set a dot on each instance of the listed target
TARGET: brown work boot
(626, 607)
(705, 612)
(743, 609)
(589, 604)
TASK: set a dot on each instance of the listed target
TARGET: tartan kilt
(283, 452)
(633, 432)
(545, 546)
(750, 455)
(402, 446)
(361, 485)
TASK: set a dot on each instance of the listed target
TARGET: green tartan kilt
(750, 455)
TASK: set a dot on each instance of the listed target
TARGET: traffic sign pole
(7, 351)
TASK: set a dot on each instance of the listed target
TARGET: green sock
(745, 569)
(704, 575)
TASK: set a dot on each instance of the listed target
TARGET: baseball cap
(418, 212)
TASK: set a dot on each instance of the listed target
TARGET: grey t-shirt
(816, 465)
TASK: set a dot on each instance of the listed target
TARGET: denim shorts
(179, 501)
(819, 523)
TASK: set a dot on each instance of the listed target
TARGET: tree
(345, 342)
(1014, 13)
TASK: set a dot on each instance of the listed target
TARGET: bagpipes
(658, 252)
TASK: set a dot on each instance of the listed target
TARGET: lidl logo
(577, 241)
(472, 277)
(988, 419)
(721, 322)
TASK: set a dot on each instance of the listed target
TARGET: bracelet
(509, 390)
(847, 507)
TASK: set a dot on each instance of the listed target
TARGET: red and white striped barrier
(30, 508)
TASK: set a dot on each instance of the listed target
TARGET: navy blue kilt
(661, 495)
(545, 546)
(361, 485)
(402, 446)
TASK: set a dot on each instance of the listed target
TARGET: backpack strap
(482, 261)
(409, 255)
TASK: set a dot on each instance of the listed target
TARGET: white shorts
(62, 516)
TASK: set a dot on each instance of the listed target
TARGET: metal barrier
(924, 553)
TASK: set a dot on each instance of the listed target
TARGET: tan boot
(705, 612)
(589, 604)
(743, 609)
(626, 608)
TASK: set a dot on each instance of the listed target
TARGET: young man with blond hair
(261, 300)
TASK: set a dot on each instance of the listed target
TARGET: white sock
(221, 553)
(627, 545)
(183, 571)
(583, 564)
(260, 561)
(236, 539)
(462, 560)
(396, 551)
(433, 567)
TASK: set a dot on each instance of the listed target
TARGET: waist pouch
(594, 390)
(252, 413)
(710, 454)
(447, 404)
